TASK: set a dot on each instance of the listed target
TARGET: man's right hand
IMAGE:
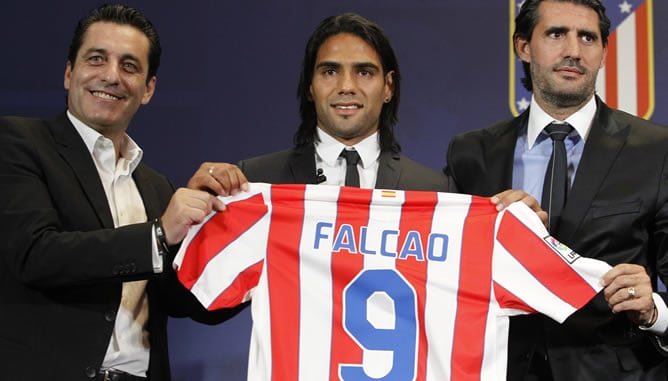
(186, 208)
(219, 179)
(507, 197)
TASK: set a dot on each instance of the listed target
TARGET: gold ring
(631, 291)
(211, 170)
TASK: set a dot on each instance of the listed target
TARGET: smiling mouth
(107, 96)
(347, 107)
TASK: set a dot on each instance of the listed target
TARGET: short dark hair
(122, 15)
(372, 34)
(526, 21)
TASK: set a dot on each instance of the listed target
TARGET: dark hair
(374, 36)
(122, 15)
(526, 21)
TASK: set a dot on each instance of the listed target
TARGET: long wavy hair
(374, 36)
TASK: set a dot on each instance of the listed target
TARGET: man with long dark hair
(349, 91)
(611, 202)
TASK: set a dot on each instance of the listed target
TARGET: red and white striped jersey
(362, 284)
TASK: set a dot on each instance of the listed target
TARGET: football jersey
(369, 284)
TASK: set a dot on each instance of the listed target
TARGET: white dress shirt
(128, 349)
(327, 158)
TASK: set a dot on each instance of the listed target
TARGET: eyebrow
(581, 32)
(357, 65)
(95, 50)
(103, 51)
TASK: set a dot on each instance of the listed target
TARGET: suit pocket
(612, 209)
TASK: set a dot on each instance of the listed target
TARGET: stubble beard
(562, 98)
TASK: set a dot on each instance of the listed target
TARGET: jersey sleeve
(535, 272)
(220, 261)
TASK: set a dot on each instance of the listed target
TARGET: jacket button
(91, 371)
(110, 316)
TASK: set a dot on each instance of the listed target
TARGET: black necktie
(352, 176)
(555, 185)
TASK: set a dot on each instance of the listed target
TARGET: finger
(496, 199)
(240, 179)
(503, 199)
(204, 180)
(625, 290)
(178, 215)
(544, 218)
(620, 289)
(643, 306)
(229, 176)
(218, 205)
(230, 180)
(507, 197)
(623, 270)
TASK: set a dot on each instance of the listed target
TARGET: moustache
(570, 63)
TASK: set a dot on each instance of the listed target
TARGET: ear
(150, 89)
(522, 49)
(605, 55)
(309, 96)
(68, 75)
(389, 85)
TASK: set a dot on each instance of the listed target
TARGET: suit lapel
(73, 150)
(302, 164)
(389, 170)
(606, 138)
(148, 193)
(499, 151)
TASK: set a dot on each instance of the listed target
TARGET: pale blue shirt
(534, 147)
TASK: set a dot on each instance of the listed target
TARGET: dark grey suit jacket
(63, 263)
(616, 211)
(297, 166)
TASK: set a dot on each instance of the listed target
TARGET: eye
(327, 71)
(130, 67)
(95, 60)
(588, 38)
(556, 34)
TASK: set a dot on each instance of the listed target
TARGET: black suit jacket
(616, 212)
(63, 262)
(297, 166)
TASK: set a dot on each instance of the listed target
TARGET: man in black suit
(349, 95)
(615, 209)
(85, 228)
(349, 91)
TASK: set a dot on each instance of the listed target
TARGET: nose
(347, 83)
(572, 48)
(110, 73)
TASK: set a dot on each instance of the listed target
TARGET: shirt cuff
(660, 326)
(155, 254)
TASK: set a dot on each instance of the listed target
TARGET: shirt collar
(130, 150)
(581, 120)
(329, 148)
